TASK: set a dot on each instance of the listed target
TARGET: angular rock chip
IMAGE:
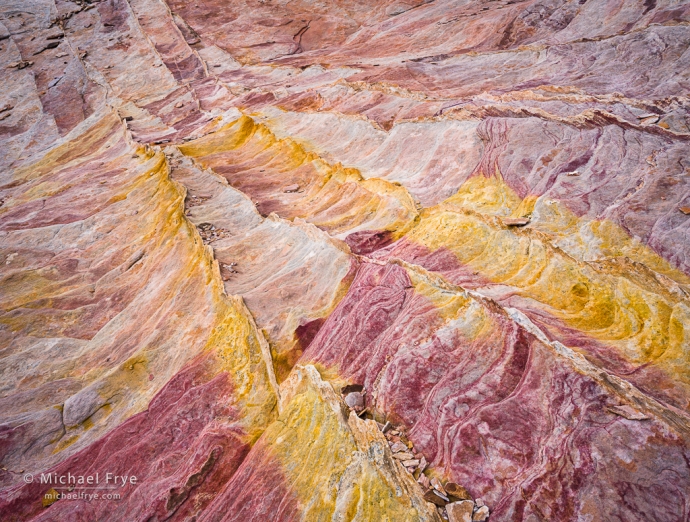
(435, 497)
(398, 447)
(481, 514)
(457, 491)
(460, 511)
(403, 456)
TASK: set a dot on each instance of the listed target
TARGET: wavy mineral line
(493, 407)
(636, 329)
(283, 178)
(452, 149)
(112, 364)
(290, 274)
(583, 185)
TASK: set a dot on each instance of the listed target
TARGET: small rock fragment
(479, 502)
(291, 188)
(422, 463)
(438, 486)
(628, 412)
(435, 497)
(460, 511)
(410, 463)
(226, 271)
(403, 456)
(516, 222)
(424, 481)
(398, 447)
(20, 65)
(6, 107)
(481, 514)
(457, 491)
(179, 105)
(649, 119)
(355, 400)
(684, 210)
(60, 55)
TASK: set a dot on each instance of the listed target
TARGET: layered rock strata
(219, 222)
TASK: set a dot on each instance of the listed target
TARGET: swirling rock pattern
(215, 216)
(526, 425)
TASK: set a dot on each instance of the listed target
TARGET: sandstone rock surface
(345, 260)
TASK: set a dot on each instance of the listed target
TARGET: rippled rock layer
(314, 261)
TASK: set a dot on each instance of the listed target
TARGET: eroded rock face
(312, 261)
(469, 380)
